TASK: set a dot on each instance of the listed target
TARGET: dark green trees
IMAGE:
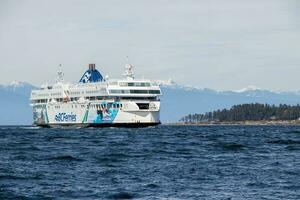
(251, 112)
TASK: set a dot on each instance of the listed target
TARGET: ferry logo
(64, 117)
(86, 77)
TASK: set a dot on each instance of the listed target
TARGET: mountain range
(176, 102)
(14, 104)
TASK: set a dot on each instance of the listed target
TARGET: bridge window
(134, 91)
(154, 92)
(139, 91)
(143, 106)
(135, 84)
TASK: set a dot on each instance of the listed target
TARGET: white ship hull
(97, 102)
(96, 114)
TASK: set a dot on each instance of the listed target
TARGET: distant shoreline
(250, 123)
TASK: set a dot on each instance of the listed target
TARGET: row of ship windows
(97, 98)
(134, 91)
(97, 106)
(46, 94)
(96, 91)
(134, 84)
(71, 99)
(111, 91)
(71, 93)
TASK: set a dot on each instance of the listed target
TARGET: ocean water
(164, 162)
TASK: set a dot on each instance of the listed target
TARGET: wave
(152, 185)
(59, 138)
(284, 142)
(121, 195)
(292, 131)
(107, 160)
(65, 158)
(30, 127)
(114, 157)
(292, 148)
(12, 177)
(233, 146)
(16, 177)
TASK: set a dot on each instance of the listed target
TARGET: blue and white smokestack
(91, 75)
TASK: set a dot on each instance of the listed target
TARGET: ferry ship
(97, 101)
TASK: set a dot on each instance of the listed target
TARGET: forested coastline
(247, 112)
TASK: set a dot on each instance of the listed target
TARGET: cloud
(216, 44)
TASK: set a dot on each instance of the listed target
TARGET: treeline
(247, 112)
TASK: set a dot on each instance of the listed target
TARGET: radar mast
(129, 70)
(60, 75)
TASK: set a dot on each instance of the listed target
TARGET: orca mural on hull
(42, 116)
(104, 113)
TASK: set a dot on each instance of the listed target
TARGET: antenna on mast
(129, 70)
(127, 59)
(60, 75)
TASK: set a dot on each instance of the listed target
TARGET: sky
(217, 44)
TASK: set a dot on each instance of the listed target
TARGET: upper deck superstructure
(97, 101)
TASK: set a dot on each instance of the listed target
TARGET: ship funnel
(92, 66)
(91, 75)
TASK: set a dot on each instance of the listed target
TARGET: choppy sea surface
(164, 162)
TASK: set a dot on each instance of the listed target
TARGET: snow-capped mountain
(14, 104)
(18, 87)
(248, 88)
(177, 100)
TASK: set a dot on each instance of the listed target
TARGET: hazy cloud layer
(217, 44)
